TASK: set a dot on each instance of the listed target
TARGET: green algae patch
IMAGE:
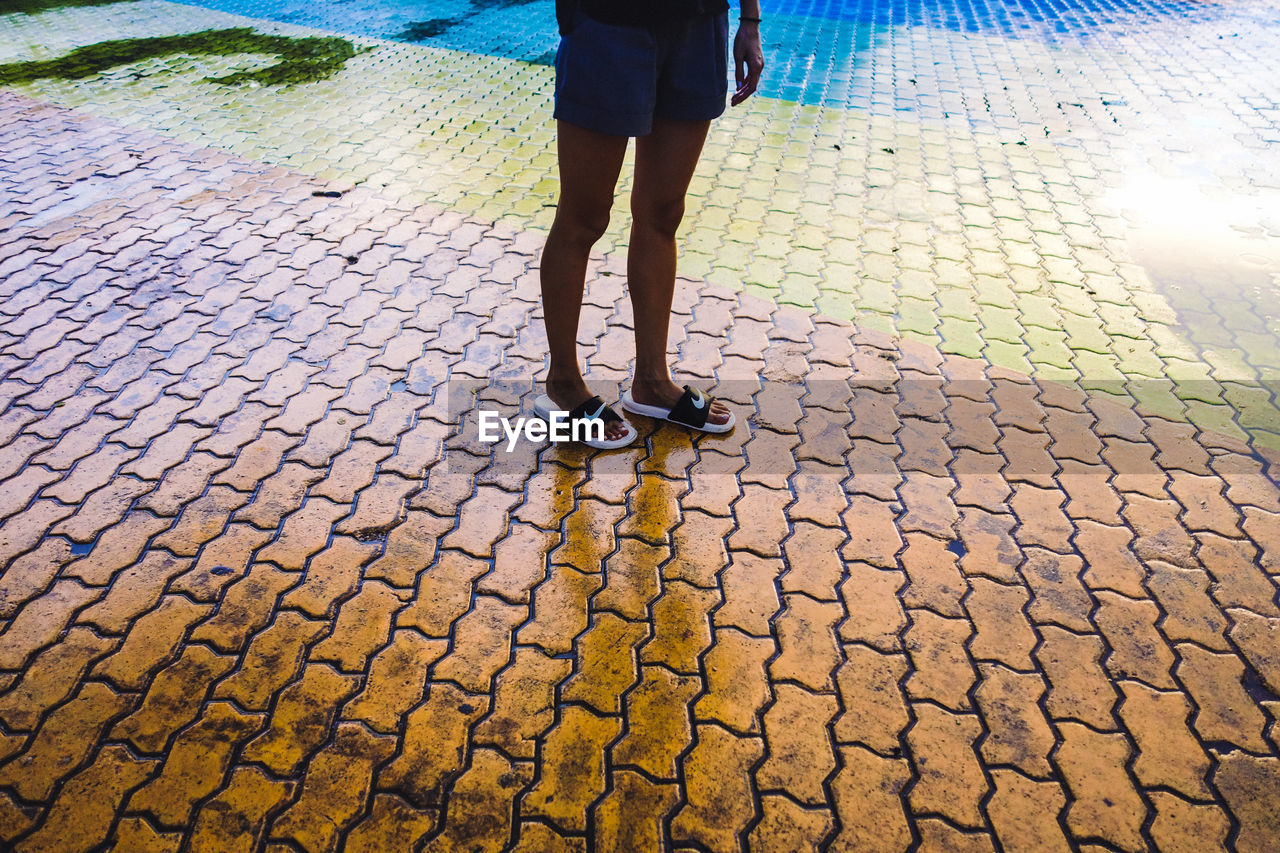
(302, 60)
(33, 7)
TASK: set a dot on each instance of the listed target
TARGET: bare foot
(665, 393)
(569, 394)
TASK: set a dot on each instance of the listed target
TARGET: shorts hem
(602, 121)
(697, 111)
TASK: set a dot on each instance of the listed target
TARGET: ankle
(567, 390)
(652, 379)
(655, 391)
(564, 376)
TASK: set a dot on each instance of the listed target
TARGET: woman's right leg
(589, 165)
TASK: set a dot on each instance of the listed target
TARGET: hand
(748, 61)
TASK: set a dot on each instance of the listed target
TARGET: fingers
(741, 93)
(748, 77)
(747, 84)
(748, 60)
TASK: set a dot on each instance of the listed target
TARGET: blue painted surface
(1008, 17)
(814, 47)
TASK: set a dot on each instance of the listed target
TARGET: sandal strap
(590, 410)
(692, 409)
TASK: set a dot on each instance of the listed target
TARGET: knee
(581, 228)
(661, 218)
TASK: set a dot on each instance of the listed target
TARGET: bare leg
(589, 166)
(665, 160)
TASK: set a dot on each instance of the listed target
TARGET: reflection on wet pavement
(990, 562)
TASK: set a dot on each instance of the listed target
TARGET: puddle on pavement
(1215, 256)
(1216, 259)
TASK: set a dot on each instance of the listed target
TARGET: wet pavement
(990, 562)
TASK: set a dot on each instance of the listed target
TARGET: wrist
(746, 19)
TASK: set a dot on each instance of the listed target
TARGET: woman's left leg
(665, 161)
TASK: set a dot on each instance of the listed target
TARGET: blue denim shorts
(616, 79)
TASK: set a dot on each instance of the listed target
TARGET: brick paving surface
(260, 591)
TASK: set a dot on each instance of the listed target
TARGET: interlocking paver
(183, 483)
(681, 627)
(151, 639)
(867, 793)
(81, 816)
(717, 777)
(786, 826)
(362, 626)
(136, 833)
(1248, 782)
(1168, 754)
(194, 765)
(949, 777)
(270, 661)
(750, 600)
(1190, 614)
(302, 534)
(1110, 562)
(540, 837)
(631, 578)
(1001, 630)
(221, 563)
(50, 677)
(336, 783)
(434, 745)
(444, 594)
(942, 670)
(300, 721)
(800, 751)
(1106, 804)
(808, 649)
(482, 804)
(874, 538)
(1058, 595)
(1078, 686)
(1215, 683)
(1256, 637)
(482, 640)
(524, 703)
(331, 576)
(409, 546)
(201, 521)
(133, 592)
(1025, 813)
(391, 824)
(32, 573)
(41, 621)
(574, 759)
(630, 816)
(935, 581)
(658, 727)
(173, 699)
(1137, 648)
(559, 609)
(875, 613)
(1182, 826)
(395, 681)
(1018, 734)
(812, 553)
